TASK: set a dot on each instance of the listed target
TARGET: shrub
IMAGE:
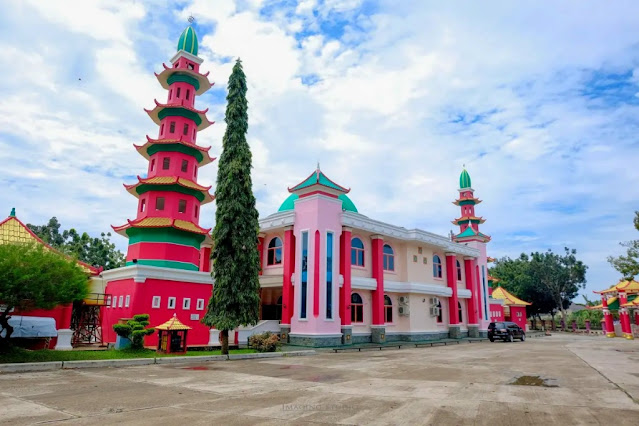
(265, 342)
(135, 330)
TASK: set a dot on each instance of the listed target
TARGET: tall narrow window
(196, 212)
(437, 267)
(329, 275)
(188, 93)
(357, 252)
(388, 309)
(440, 315)
(186, 303)
(172, 127)
(182, 206)
(166, 163)
(304, 274)
(171, 303)
(162, 129)
(195, 171)
(159, 203)
(178, 93)
(185, 129)
(459, 271)
(357, 308)
(153, 165)
(185, 165)
(274, 255)
(142, 204)
(389, 258)
(194, 130)
(190, 66)
(460, 312)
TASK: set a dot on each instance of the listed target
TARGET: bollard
(574, 326)
(588, 326)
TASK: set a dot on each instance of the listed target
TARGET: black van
(506, 331)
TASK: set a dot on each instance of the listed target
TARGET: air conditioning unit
(434, 301)
(434, 311)
(403, 300)
(404, 311)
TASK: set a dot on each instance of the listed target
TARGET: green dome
(188, 41)
(464, 180)
(289, 203)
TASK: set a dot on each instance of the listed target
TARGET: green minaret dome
(188, 41)
(289, 203)
(464, 180)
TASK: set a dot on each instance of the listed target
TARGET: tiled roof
(173, 324)
(508, 298)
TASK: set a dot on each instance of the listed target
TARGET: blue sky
(538, 99)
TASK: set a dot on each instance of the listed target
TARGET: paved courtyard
(590, 380)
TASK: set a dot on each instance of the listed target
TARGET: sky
(538, 99)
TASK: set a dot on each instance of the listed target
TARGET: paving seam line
(128, 362)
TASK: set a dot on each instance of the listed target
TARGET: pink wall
(164, 131)
(183, 62)
(141, 303)
(518, 316)
(317, 213)
(496, 312)
(171, 206)
(163, 251)
(156, 164)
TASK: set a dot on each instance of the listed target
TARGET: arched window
(459, 271)
(357, 252)
(437, 267)
(274, 256)
(389, 258)
(459, 309)
(388, 309)
(440, 317)
(357, 308)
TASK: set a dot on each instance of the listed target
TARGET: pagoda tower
(166, 231)
(475, 270)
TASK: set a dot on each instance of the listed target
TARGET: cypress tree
(236, 263)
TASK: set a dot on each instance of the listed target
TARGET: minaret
(166, 229)
(468, 222)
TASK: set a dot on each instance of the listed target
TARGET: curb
(101, 363)
(185, 359)
(107, 363)
(30, 366)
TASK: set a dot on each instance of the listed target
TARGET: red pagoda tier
(166, 230)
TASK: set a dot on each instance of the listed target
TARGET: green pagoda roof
(289, 203)
(470, 232)
(188, 41)
(464, 180)
(318, 178)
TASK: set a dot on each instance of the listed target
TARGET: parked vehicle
(506, 331)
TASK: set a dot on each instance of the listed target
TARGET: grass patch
(23, 355)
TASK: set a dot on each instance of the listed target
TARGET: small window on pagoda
(153, 165)
(170, 93)
(142, 205)
(194, 129)
(185, 165)
(178, 93)
(196, 211)
(190, 66)
(195, 171)
(172, 127)
(185, 130)
(182, 206)
(162, 129)
(166, 163)
(159, 203)
(188, 92)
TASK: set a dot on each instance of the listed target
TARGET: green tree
(562, 276)
(96, 251)
(516, 276)
(135, 330)
(628, 264)
(32, 277)
(235, 299)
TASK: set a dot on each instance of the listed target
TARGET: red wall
(515, 311)
(141, 303)
(496, 312)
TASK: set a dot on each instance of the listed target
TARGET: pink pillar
(451, 279)
(316, 276)
(205, 259)
(345, 270)
(624, 318)
(288, 269)
(610, 328)
(378, 273)
(479, 293)
(260, 250)
(471, 285)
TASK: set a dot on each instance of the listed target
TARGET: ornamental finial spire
(13, 212)
(191, 19)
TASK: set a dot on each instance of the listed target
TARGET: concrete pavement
(596, 382)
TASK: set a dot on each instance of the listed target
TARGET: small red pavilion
(172, 336)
